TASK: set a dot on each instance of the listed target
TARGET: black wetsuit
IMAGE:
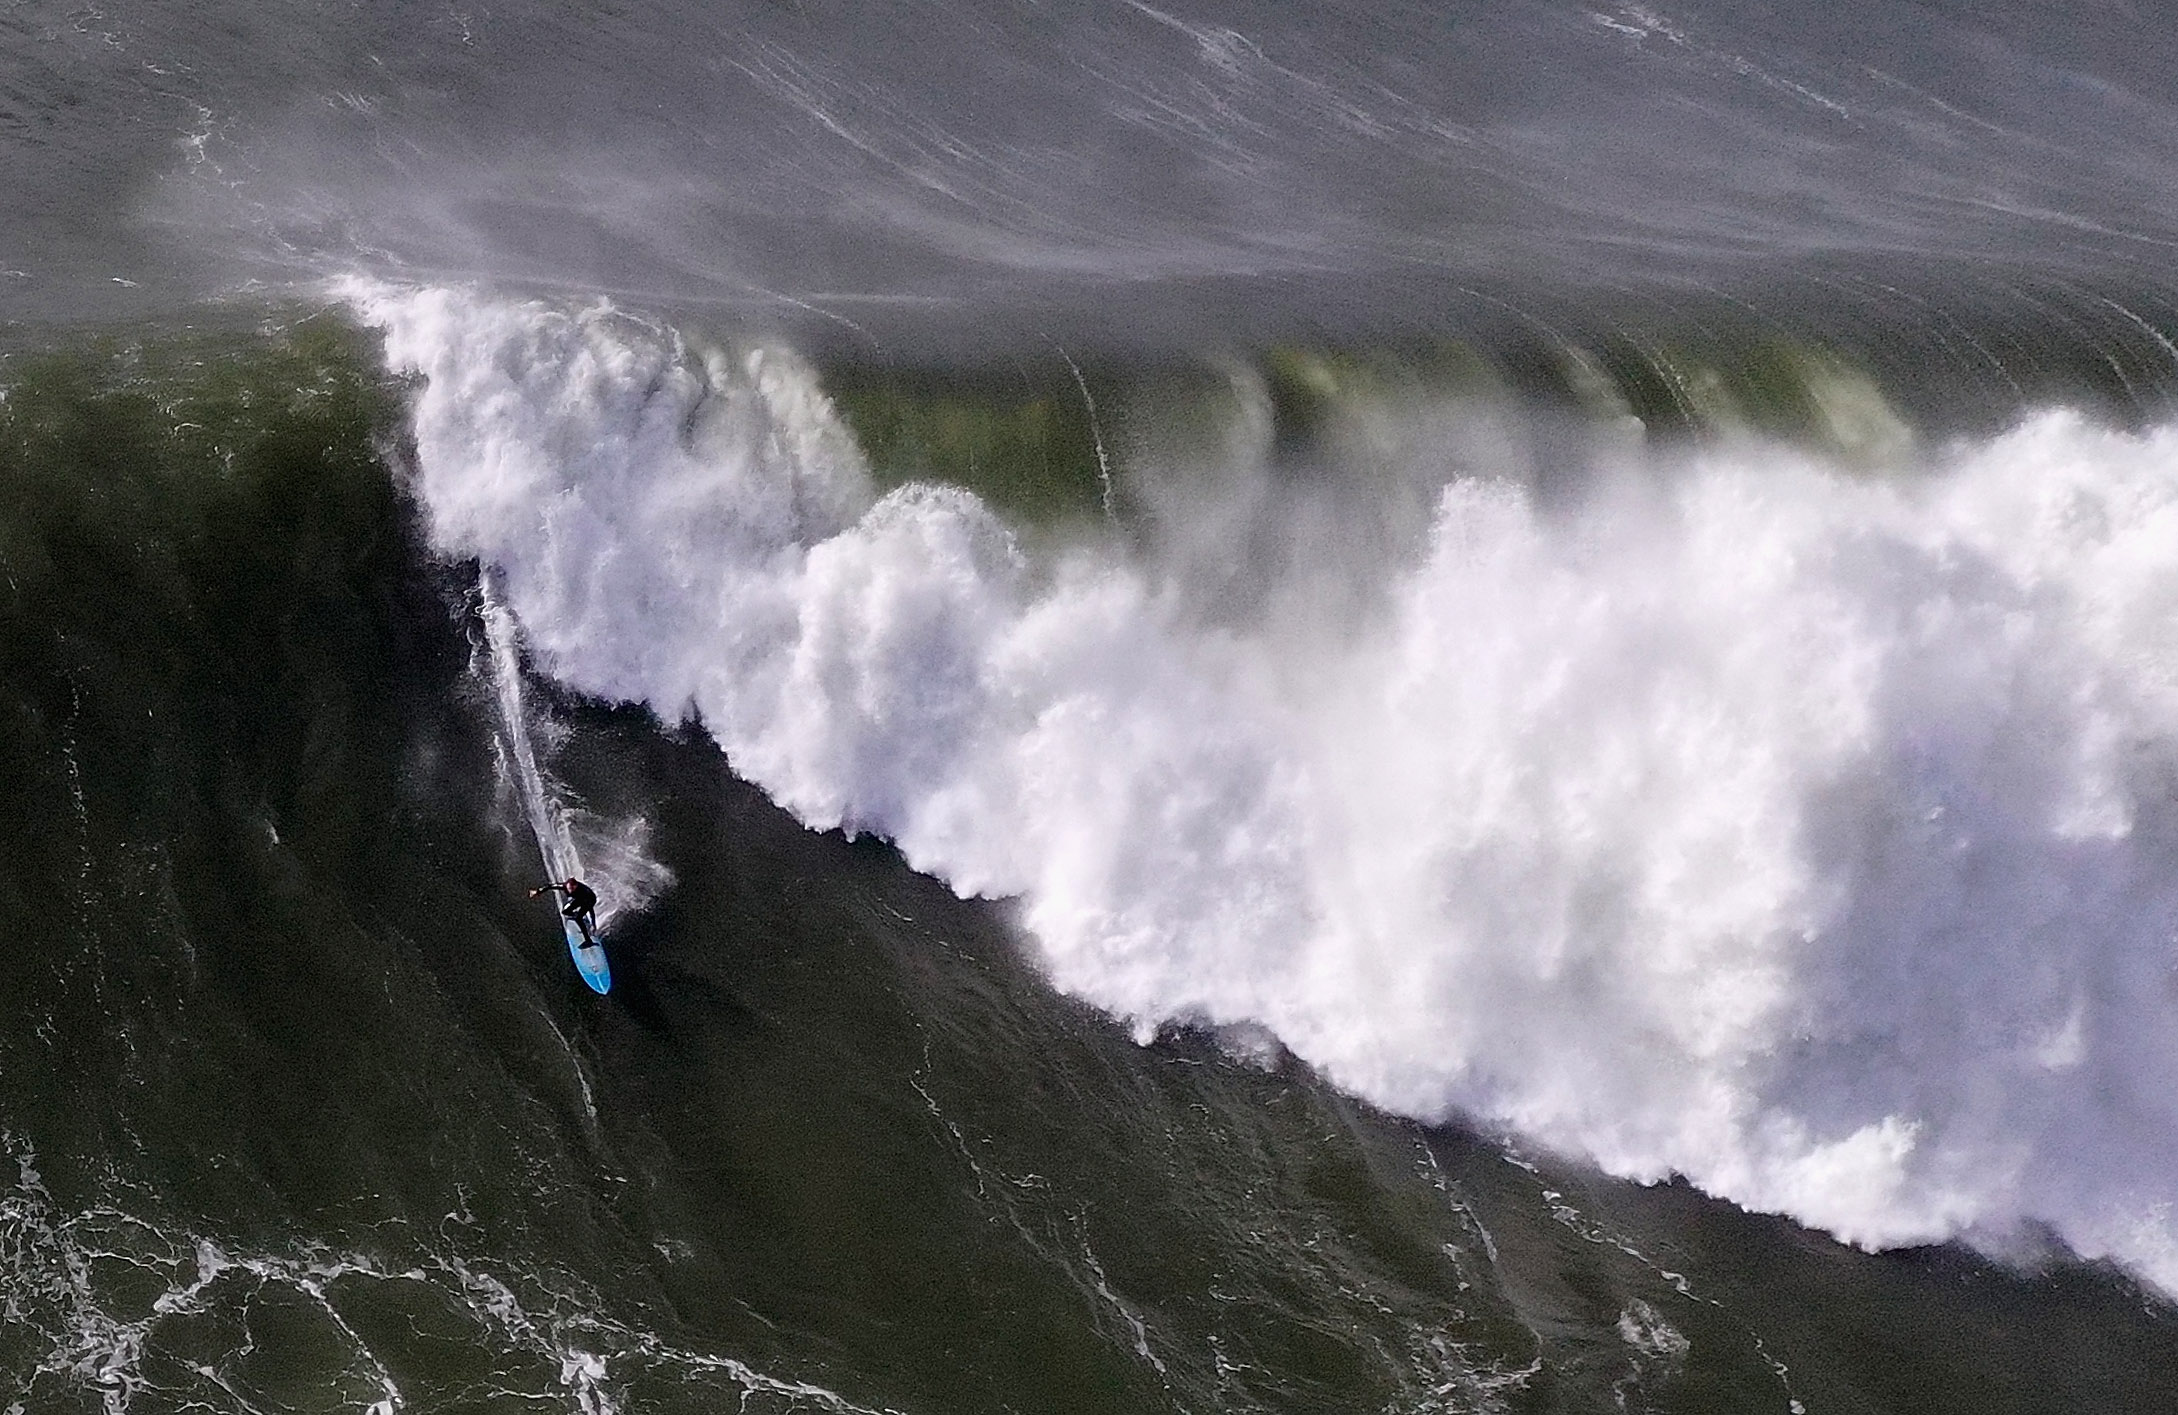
(581, 905)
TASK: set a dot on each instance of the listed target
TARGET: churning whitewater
(1793, 828)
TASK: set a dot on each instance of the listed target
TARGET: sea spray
(1750, 819)
(555, 843)
(621, 867)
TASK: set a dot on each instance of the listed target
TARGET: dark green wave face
(1047, 437)
(304, 1108)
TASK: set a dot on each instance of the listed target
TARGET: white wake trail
(555, 842)
(1805, 834)
(620, 866)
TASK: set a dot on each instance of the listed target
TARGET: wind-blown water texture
(1794, 830)
(958, 173)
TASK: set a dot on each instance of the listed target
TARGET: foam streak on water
(1800, 832)
(134, 1315)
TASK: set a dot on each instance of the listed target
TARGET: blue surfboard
(589, 958)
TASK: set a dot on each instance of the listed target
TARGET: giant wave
(1748, 816)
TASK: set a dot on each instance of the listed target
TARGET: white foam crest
(1804, 834)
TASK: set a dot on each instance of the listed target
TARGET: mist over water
(955, 178)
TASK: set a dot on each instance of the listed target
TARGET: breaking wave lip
(1797, 831)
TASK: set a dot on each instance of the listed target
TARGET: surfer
(581, 905)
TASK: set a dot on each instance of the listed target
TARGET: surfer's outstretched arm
(581, 905)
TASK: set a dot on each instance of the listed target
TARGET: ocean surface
(1334, 707)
